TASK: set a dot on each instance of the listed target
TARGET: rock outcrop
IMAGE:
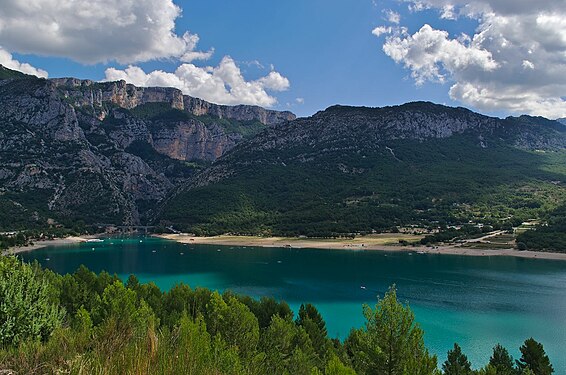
(365, 130)
(95, 94)
(106, 152)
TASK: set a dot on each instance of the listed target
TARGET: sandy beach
(45, 243)
(374, 243)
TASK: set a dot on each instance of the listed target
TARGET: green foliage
(233, 322)
(534, 358)
(310, 319)
(164, 115)
(246, 129)
(548, 237)
(307, 191)
(287, 348)
(124, 311)
(133, 328)
(336, 367)
(391, 343)
(160, 111)
(457, 363)
(6, 73)
(26, 312)
(501, 361)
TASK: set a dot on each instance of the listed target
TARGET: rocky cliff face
(350, 170)
(106, 152)
(359, 130)
(95, 94)
(339, 125)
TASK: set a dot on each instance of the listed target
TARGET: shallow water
(475, 301)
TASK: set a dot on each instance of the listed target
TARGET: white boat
(94, 240)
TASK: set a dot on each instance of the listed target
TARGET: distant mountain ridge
(74, 151)
(354, 169)
(106, 152)
(128, 96)
(343, 128)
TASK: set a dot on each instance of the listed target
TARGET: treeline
(330, 191)
(550, 237)
(28, 237)
(84, 323)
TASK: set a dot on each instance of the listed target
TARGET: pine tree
(534, 357)
(501, 361)
(391, 343)
(457, 363)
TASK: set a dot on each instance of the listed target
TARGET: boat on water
(94, 240)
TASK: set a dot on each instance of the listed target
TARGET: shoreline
(357, 244)
(44, 243)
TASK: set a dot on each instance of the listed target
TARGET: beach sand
(45, 243)
(374, 243)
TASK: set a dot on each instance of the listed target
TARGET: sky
(498, 57)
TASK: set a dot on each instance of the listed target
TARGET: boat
(94, 240)
(362, 287)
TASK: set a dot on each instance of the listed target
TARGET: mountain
(353, 169)
(562, 120)
(76, 150)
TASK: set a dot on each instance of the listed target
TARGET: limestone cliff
(106, 152)
(96, 94)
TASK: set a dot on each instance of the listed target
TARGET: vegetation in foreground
(86, 323)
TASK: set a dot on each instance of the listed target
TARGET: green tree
(336, 367)
(457, 363)
(310, 319)
(502, 361)
(234, 323)
(391, 343)
(26, 311)
(287, 347)
(534, 358)
(127, 312)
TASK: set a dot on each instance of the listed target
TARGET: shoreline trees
(106, 326)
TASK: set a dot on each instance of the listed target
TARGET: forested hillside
(352, 170)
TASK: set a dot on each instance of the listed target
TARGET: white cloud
(8, 61)
(223, 84)
(92, 31)
(380, 30)
(514, 61)
(528, 65)
(300, 100)
(392, 17)
(429, 52)
(448, 12)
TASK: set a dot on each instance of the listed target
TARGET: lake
(475, 301)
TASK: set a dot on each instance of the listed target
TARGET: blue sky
(328, 54)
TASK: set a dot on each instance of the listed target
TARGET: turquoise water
(474, 301)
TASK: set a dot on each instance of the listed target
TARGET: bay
(475, 301)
